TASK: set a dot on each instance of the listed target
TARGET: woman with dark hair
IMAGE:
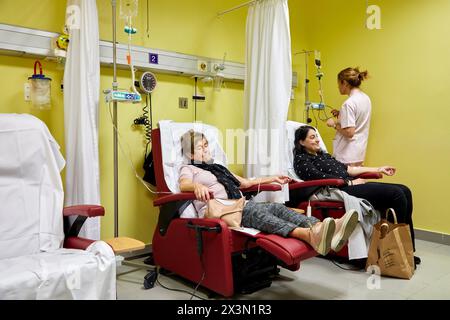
(311, 163)
(202, 176)
(353, 120)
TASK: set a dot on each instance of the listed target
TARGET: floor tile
(317, 279)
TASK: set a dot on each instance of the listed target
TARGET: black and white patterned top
(322, 166)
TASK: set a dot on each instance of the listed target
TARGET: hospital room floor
(317, 278)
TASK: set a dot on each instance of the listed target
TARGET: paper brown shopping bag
(391, 248)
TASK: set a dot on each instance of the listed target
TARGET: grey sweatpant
(274, 218)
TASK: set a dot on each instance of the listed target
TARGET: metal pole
(115, 137)
(307, 103)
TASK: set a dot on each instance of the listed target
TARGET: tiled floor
(320, 279)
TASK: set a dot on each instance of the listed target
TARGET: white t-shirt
(355, 112)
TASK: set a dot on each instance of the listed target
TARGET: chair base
(253, 270)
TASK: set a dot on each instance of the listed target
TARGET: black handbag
(149, 168)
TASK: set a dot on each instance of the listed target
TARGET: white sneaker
(344, 228)
(321, 235)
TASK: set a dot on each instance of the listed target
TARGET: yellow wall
(408, 63)
(406, 60)
(196, 31)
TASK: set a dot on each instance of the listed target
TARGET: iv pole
(307, 102)
(115, 137)
(119, 244)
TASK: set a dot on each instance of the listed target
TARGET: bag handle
(391, 210)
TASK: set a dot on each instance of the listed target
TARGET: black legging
(387, 195)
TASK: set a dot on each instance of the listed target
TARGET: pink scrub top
(355, 112)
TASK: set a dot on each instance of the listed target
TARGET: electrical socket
(182, 103)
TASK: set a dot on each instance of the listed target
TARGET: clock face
(148, 82)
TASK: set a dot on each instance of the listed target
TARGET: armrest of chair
(262, 187)
(176, 197)
(77, 243)
(71, 229)
(172, 197)
(84, 210)
(371, 175)
(316, 183)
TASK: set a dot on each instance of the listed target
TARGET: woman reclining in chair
(311, 163)
(202, 176)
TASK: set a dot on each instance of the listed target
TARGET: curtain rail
(235, 8)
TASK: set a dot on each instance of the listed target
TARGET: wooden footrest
(124, 244)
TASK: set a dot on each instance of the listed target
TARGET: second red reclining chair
(319, 209)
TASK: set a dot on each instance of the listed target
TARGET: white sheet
(33, 264)
(31, 192)
(62, 274)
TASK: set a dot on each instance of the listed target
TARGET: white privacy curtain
(81, 98)
(267, 90)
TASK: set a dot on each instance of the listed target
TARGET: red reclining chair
(232, 261)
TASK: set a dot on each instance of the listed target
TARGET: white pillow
(291, 127)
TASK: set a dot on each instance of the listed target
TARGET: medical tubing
(320, 92)
(129, 159)
(130, 60)
(315, 118)
(325, 112)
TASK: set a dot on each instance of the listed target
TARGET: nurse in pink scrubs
(352, 121)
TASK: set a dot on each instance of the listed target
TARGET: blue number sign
(153, 58)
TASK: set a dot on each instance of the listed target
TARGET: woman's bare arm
(201, 191)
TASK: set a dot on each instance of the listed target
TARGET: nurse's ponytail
(353, 76)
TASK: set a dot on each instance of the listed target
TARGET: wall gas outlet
(26, 91)
(202, 65)
(182, 103)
